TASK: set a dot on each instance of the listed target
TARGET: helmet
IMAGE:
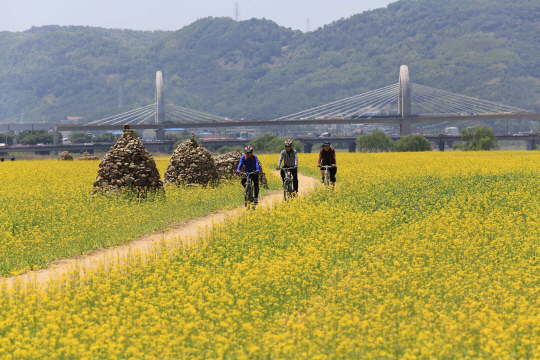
(248, 149)
(288, 142)
(326, 143)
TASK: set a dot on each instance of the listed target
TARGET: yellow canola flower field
(411, 256)
(47, 211)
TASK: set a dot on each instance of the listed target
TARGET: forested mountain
(257, 69)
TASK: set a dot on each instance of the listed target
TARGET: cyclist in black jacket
(327, 156)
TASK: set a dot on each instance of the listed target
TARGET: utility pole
(236, 12)
(308, 25)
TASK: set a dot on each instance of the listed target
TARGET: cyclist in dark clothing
(250, 163)
(2, 158)
(327, 157)
(12, 157)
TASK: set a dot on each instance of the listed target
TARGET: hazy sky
(19, 15)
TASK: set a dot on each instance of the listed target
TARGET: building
(369, 128)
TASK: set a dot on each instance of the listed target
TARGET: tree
(34, 137)
(412, 143)
(7, 138)
(226, 149)
(478, 138)
(181, 139)
(271, 143)
(183, 136)
(106, 137)
(78, 137)
(377, 141)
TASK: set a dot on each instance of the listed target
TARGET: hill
(257, 69)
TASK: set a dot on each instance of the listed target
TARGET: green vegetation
(477, 138)
(226, 149)
(412, 143)
(7, 138)
(106, 137)
(79, 137)
(377, 141)
(34, 137)
(257, 69)
(271, 143)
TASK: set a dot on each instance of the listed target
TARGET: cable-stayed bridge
(147, 115)
(406, 103)
(403, 104)
(158, 112)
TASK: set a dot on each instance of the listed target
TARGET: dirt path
(143, 244)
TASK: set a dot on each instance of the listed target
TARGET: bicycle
(326, 174)
(248, 189)
(288, 192)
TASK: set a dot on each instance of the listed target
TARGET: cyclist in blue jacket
(250, 163)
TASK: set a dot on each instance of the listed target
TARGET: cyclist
(327, 157)
(250, 163)
(290, 159)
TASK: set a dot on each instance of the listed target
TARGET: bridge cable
(339, 102)
(357, 105)
(345, 103)
(124, 114)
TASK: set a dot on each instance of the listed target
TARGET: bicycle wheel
(250, 194)
(285, 189)
(290, 191)
(327, 178)
(246, 196)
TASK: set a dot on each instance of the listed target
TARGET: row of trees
(477, 138)
(79, 137)
(474, 138)
(7, 139)
(28, 137)
(378, 141)
(271, 143)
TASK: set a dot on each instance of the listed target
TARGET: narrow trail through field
(185, 231)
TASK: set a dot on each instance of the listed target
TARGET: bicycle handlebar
(325, 166)
(288, 168)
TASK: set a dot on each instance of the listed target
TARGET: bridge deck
(278, 122)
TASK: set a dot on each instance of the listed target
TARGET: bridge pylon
(160, 99)
(404, 100)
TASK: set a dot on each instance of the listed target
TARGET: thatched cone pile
(191, 164)
(65, 156)
(86, 156)
(227, 164)
(128, 165)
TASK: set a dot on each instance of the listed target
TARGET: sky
(20, 15)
